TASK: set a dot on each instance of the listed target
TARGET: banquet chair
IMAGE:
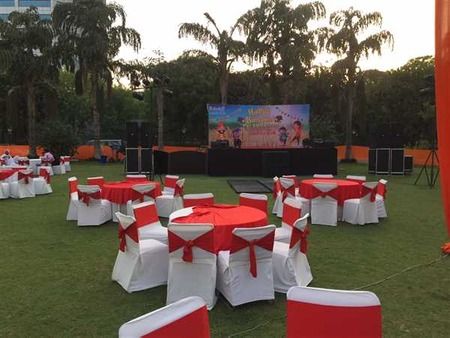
(148, 223)
(362, 210)
(290, 263)
(323, 176)
(23, 187)
(187, 318)
(257, 201)
(59, 169)
(141, 193)
(191, 200)
(277, 195)
(67, 160)
(97, 180)
(332, 313)
(4, 189)
(288, 189)
(135, 177)
(359, 179)
(192, 263)
(47, 167)
(91, 208)
(166, 204)
(170, 182)
(380, 198)
(245, 272)
(292, 211)
(42, 183)
(141, 263)
(72, 212)
(324, 206)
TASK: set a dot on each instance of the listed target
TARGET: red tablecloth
(224, 218)
(122, 192)
(4, 174)
(346, 189)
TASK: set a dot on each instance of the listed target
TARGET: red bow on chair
(62, 160)
(372, 192)
(318, 193)
(25, 176)
(178, 191)
(288, 191)
(24, 162)
(85, 197)
(140, 195)
(45, 174)
(204, 242)
(266, 242)
(300, 236)
(131, 232)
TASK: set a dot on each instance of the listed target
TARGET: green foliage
(59, 137)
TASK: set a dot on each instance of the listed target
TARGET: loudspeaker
(132, 160)
(146, 160)
(398, 161)
(372, 161)
(409, 164)
(275, 163)
(138, 161)
(138, 134)
(383, 161)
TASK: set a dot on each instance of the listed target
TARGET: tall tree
(279, 37)
(90, 34)
(228, 49)
(345, 41)
(28, 57)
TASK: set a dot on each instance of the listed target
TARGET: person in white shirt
(48, 157)
(7, 158)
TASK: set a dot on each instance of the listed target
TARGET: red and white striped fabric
(148, 223)
(98, 180)
(314, 312)
(257, 201)
(191, 200)
(187, 318)
(381, 197)
(292, 211)
(245, 273)
(192, 263)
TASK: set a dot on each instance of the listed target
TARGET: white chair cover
(324, 209)
(288, 189)
(292, 211)
(198, 276)
(290, 263)
(169, 184)
(59, 169)
(190, 200)
(277, 204)
(323, 176)
(235, 280)
(72, 211)
(362, 210)
(23, 188)
(143, 191)
(257, 201)
(140, 264)
(41, 187)
(34, 165)
(166, 204)
(187, 318)
(356, 178)
(148, 223)
(380, 200)
(4, 190)
(96, 211)
(67, 160)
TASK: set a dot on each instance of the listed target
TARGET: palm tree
(90, 34)
(344, 42)
(278, 36)
(27, 55)
(228, 50)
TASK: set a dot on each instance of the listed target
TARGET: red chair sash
(288, 191)
(290, 214)
(26, 177)
(178, 190)
(300, 236)
(238, 243)
(140, 196)
(146, 215)
(382, 190)
(276, 189)
(62, 160)
(86, 197)
(205, 242)
(2, 162)
(131, 232)
(72, 186)
(367, 191)
(45, 174)
(332, 193)
(170, 182)
(24, 162)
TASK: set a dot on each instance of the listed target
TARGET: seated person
(48, 158)
(7, 159)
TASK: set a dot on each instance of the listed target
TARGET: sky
(410, 21)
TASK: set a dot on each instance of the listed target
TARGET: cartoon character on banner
(237, 142)
(221, 130)
(283, 135)
(297, 138)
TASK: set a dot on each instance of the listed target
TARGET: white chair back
(251, 234)
(90, 190)
(323, 176)
(128, 224)
(356, 178)
(190, 232)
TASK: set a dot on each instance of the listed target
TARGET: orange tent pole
(442, 78)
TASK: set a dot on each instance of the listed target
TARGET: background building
(45, 7)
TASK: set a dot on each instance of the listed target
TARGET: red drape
(442, 77)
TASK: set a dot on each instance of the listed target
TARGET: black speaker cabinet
(409, 164)
(383, 161)
(138, 161)
(275, 163)
(398, 161)
(372, 161)
(131, 160)
(138, 134)
(146, 160)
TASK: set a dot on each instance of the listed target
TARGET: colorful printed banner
(264, 127)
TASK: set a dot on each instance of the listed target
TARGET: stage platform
(247, 162)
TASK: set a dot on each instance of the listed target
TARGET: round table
(122, 192)
(225, 219)
(346, 189)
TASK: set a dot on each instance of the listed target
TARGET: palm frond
(199, 33)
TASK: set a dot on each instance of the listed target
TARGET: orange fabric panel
(442, 71)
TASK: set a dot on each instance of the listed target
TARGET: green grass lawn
(55, 278)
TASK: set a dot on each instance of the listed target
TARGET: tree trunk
(224, 77)
(348, 124)
(274, 90)
(160, 110)
(95, 119)
(31, 112)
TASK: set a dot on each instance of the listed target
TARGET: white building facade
(45, 7)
